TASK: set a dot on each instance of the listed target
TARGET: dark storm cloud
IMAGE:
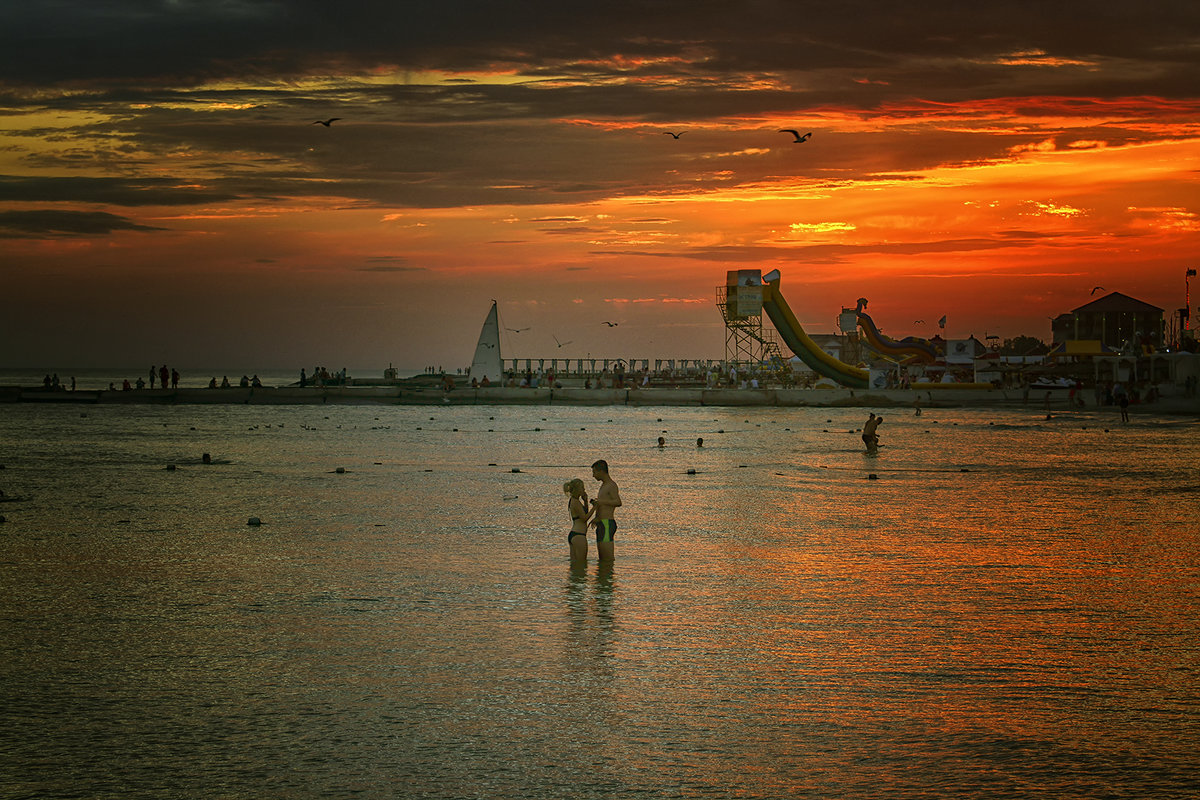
(78, 42)
(249, 133)
(41, 223)
(117, 191)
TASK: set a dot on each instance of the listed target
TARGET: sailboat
(487, 361)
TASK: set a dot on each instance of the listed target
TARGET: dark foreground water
(1011, 609)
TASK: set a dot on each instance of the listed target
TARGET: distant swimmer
(577, 507)
(869, 436)
(327, 122)
(676, 135)
(796, 134)
(662, 442)
(607, 499)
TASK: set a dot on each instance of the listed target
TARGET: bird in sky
(516, 330)
(1097, 289)
(796, 133)
(557, 342)
(918, 322)
(676, 135)
(326, 122)
(611, 324)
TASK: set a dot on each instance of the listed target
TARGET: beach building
(1115, 322)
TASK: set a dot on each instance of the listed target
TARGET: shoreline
(426, 395)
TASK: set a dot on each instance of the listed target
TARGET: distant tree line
(1023, 346)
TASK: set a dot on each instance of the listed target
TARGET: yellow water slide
(801, 344)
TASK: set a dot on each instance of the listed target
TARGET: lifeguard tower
(748, 346)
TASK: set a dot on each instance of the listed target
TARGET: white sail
(486, 363)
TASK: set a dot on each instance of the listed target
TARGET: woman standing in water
(577, 506)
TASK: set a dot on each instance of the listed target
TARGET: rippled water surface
(1011, 608)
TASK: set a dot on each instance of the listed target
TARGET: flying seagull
(516, 330)
(557, 342)
(918, 322)
(611, 324)
(1097, 289)
(676, 135)
(795, 133)
(326, 122)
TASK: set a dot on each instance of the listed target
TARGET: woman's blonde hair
(570, 486)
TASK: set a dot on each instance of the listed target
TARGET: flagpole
(1187, 298)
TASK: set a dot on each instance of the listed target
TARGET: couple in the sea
(599, 512)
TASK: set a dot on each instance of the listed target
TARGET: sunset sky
(166, 195)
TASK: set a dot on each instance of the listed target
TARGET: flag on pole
(942, 321)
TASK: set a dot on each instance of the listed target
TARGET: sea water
(1009, 608)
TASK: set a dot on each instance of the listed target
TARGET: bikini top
(571, 511)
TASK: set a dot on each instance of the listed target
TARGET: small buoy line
(900, 469)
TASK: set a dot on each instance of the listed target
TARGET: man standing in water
(608, 498)
(869, 437)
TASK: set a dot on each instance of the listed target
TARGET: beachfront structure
(1115, 321)
(748, 345)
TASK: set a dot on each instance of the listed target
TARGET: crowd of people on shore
(323, 377)
(246, 382)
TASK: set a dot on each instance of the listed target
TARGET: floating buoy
(2, 519)
(456, 430)
(340, 470)
(254, 521)
(515, 469)
(511, 496)
(691, 471)
(871, 476)
(206, 458)
(170, 467)
(427, 470)
(491, 463)
(721, 430)
(964, 469)
(379, 463)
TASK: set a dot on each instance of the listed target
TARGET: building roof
(1115, 301)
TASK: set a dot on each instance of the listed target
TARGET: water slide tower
(747, 344)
